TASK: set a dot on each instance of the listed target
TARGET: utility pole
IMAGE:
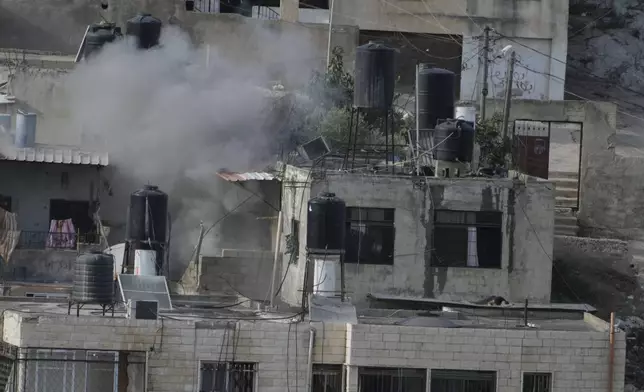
(328, 49)
(486, 50)
(509, 80)
(417, 146)
(508, 96)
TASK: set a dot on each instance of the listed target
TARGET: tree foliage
(330, 110)
(494, 148)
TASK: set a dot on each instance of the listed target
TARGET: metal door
(531, 141)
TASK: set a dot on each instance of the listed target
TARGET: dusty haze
(167, 119)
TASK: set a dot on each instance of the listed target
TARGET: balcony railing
(47, 240)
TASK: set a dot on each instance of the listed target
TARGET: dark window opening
(537, 382)
(5, 203)
(463, 381)
(227, 377)
(78, 211)
(315, 4)
(467, 239)
(370, 236)
(327, 378)
(392, 380)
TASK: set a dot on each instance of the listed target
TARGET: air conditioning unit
(142, 310)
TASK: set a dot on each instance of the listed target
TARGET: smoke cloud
(169, 118)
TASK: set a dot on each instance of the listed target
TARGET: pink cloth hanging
(61, 234)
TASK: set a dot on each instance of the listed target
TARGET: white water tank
(25, 136)
(145, 262)
(118, 251)
(326, 276)
(465, 111)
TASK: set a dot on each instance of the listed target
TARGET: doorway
(551, 150)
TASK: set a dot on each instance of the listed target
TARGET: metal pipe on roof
(309, 371)
(611, 353)
(278, 242)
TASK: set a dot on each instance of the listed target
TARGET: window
(227, 377)
(392, 380)
(467, 239)
(327, 378)
(463, 381)
(78, 211)
(315, 4)
(537, 382)
(72, 371)
(370, 236)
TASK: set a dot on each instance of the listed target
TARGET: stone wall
(527, 227)
(577, 359)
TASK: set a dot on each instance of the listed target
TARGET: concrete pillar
(290, 10)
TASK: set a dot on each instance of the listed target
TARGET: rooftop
(226, 308)
(54, 154)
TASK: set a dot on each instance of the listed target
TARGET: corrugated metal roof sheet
(247, 176)
(46, 154)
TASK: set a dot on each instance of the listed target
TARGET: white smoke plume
(167, 119)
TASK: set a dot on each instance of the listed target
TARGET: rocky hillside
(606, 62)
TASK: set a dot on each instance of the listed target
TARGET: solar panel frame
(134, 287)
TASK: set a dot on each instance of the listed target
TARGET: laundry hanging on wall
(62, 234)
(9, 234)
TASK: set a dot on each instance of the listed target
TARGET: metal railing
(56, 240)
(264, 12)
(257, 12)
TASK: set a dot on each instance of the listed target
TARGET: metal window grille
(391, 380)
(370, 235)
(51, 370)
(463, 381)
(327, 378)
(537, 382)
(467, 239)
(227, 377)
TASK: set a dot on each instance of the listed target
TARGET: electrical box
(142, 310)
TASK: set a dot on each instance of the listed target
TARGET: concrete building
(197, 350)
(441, 32)
(420, 246)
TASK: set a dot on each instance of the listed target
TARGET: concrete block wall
(177, 347)
(527, 226)
(578, 360)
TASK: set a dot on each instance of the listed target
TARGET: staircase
(565, 222)
(567, 185)
(566, 202)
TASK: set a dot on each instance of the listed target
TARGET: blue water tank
(5, 122)
(454, 141)
(25, 130)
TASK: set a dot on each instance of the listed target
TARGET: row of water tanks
(375, 75)
(146, 240)
(143, 28)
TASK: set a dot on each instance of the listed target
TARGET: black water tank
(98, 35)
(435, 95)
(94, 279)
(146, 29)
(375, 70)
(453, 141)
(326, 224)
(147, 216)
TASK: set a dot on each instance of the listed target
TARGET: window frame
(70, 358)
(493, 220)
(254, 366)
(549, 374)
(399, 372)
(326, 370)
(388, 222)
(462, 375)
